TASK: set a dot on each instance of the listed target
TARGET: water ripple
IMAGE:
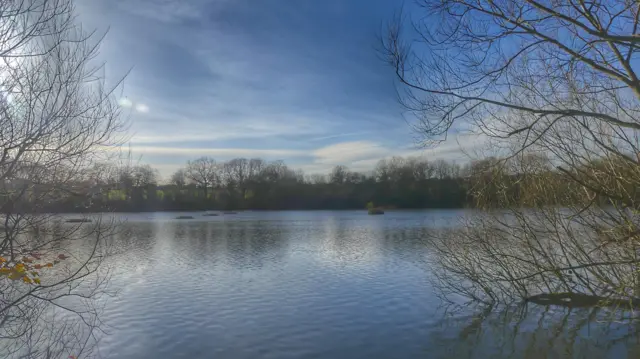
(279, 285)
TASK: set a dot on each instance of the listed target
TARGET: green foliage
(113, 195)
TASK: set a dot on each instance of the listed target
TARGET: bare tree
(204, 173)
(56, 118)
(316, 178)
(256, 165)
(534, 76)
(179, 178)
(236, 175)
(239, 170)
(382, 171)
(144, 175)
(339, 174)
(235, 172)
(420, 168)
(442, 169)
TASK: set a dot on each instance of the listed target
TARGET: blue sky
(293, 80)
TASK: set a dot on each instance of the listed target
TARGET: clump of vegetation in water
(373, 209)
(184, 217)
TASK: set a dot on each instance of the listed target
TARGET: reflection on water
(539, 332)
(316, 285)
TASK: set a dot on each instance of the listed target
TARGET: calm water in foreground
(316, 285)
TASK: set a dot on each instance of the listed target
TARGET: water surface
(316, 285)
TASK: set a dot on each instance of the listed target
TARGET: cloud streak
(128, 104)
(216, 152)
(347, 152)
(277, 79)
(359, 156)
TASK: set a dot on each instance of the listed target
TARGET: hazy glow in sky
(293, 80)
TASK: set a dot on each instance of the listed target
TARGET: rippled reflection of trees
(241, 244)
(254, 245)
(538, 332)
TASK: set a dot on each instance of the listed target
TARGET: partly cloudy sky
(298, 81)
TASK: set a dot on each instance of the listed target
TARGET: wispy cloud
(359, 156)
(364, 155)
(128, 104)
(338, 135)
(125, 102)
(142, 108)
(174, 129)
(162, 10)
(273, 79)
(215, 152)
(347, 152)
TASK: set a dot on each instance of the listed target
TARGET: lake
(317, 285)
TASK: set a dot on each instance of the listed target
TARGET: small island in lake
(184, 217)
(373, 209)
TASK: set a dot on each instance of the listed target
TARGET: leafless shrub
(56, 118)
(554, 87)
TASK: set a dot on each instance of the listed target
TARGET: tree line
(238, 184)
(527, 180)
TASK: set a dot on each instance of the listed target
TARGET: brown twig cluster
(554, 87)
